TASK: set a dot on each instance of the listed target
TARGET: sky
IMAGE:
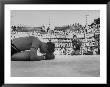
(56, 17)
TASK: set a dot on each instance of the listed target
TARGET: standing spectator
(13, 28)
(76, 45)
(97, 39)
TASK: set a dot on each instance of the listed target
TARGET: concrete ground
(62, 66)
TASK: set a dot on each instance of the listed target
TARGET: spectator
(76, 45)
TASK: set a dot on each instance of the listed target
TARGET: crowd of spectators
(89, 35)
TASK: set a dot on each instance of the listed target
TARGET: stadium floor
(62, 66)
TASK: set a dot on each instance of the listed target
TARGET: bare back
(25, 43)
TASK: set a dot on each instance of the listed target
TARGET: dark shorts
(14, 49)
(77, 48)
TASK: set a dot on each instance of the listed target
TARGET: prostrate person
(76, 43)
(25, 48)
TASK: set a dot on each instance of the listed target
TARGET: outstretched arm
(34, 56)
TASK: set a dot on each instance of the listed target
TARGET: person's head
(43, 47)
(49, 40)
(75, 37)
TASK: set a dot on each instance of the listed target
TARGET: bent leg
(73, 52)
(77, 52)
(25, 56)
(21, 56)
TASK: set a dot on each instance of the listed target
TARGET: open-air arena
(64, 65)
(74, 33)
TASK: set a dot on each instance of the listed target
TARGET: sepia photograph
(55, 43)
